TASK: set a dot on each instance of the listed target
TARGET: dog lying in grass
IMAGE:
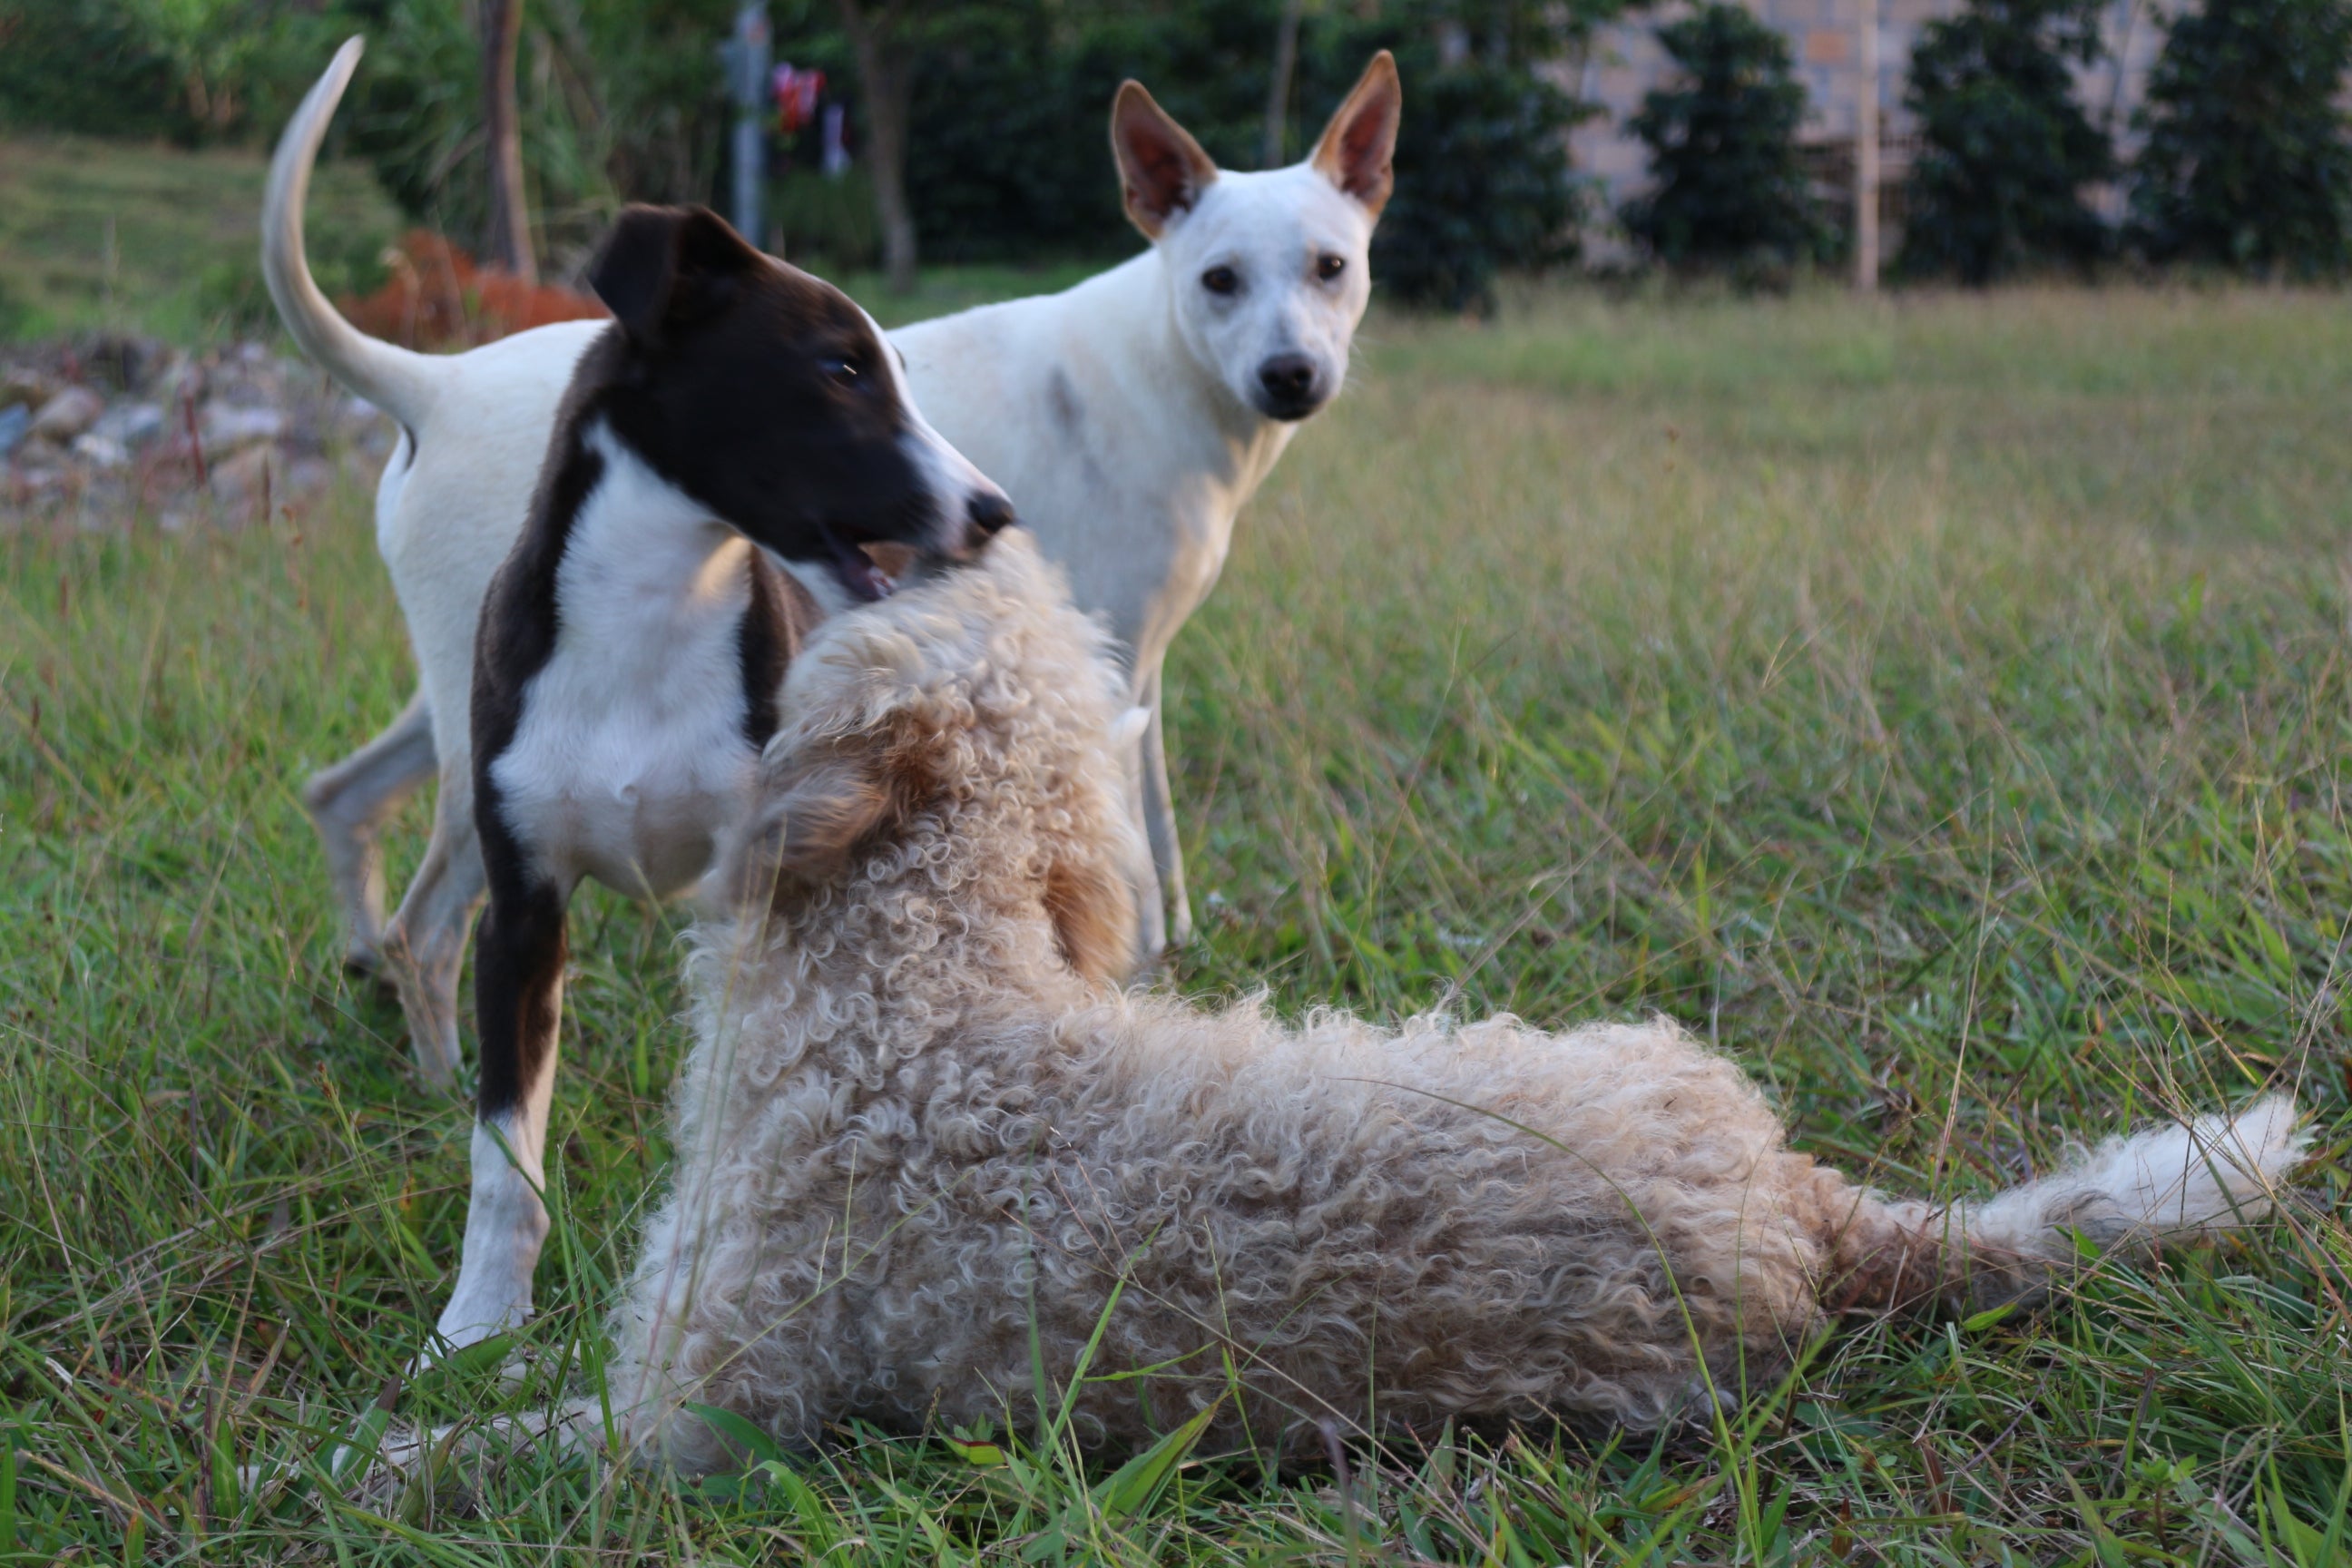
(930, 1166)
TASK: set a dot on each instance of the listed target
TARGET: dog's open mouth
(868, 571)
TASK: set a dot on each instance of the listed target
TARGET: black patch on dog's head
(760, 391)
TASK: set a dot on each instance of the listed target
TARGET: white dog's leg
(349, 805)
(424, 947)
(1159, 818)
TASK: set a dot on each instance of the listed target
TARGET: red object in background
(797, 94)
(440, 298)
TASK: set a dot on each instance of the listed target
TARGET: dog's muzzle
(1290, 386)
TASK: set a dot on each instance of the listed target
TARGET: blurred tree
(1731, 193)
(2006, 153)
(1005, 108)
(1278, 82)
(2247, 163)
(879, 35)
(210, 54)
(86, 65)
(193, 70)
(1483, 181)
(614, 100)
(507, 236)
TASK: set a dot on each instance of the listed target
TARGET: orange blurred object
(439, 297)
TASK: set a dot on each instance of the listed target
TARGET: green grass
(119, 237)
(1942, 704)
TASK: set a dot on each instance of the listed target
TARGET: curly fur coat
(927, 1156)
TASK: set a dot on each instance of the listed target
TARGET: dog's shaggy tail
(2130, 1196)
(400, 383)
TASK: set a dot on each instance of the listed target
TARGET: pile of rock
(104, 432)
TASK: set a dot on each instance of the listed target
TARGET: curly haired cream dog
(926, 1155)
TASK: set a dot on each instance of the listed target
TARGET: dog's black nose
(1289, 381)
(989, 513)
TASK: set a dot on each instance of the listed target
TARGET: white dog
(1130, 419)
(927, 1158)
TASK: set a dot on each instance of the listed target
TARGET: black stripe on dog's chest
(520, 614)
(765, 646)
(520, 951)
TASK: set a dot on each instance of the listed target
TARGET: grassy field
(108, 237)
(1942, 704)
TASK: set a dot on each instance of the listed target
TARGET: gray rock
(15, 420)
(237, 482)
(100, 451)
(66, 416)
(224, 428)
(23, 384)
(130, 424)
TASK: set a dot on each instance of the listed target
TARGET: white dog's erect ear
(1161, 170)
(663, 267)
(1358, 145)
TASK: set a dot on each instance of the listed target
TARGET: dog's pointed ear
(664, 268)
(1359, 143)
(1161, 170)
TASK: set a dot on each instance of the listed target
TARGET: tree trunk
(883, 69)
(1865, 155)
(507, 241)
(1277, 94)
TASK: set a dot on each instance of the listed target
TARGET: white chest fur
(630, 747)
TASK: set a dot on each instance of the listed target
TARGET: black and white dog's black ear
(665, 268)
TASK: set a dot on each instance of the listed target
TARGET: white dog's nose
(1290, 386)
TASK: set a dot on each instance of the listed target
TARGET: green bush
(84, 65)
(826, 225)
(620, 99)
(2247, 164)
(1731, 193)
(2007, 152)
(1011, 155)
(191, 71)
(1483, 180)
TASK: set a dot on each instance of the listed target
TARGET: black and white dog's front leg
(519, 957)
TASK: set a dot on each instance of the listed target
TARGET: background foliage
(621, 101)
(1731, 192)
(2008, 151)
(2247, 163)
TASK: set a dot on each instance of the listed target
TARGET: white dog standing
(1130, 419)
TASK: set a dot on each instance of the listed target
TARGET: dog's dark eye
(1219, 280)
(840, 372)
(1329, 267)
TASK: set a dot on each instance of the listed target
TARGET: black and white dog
(630, 647)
